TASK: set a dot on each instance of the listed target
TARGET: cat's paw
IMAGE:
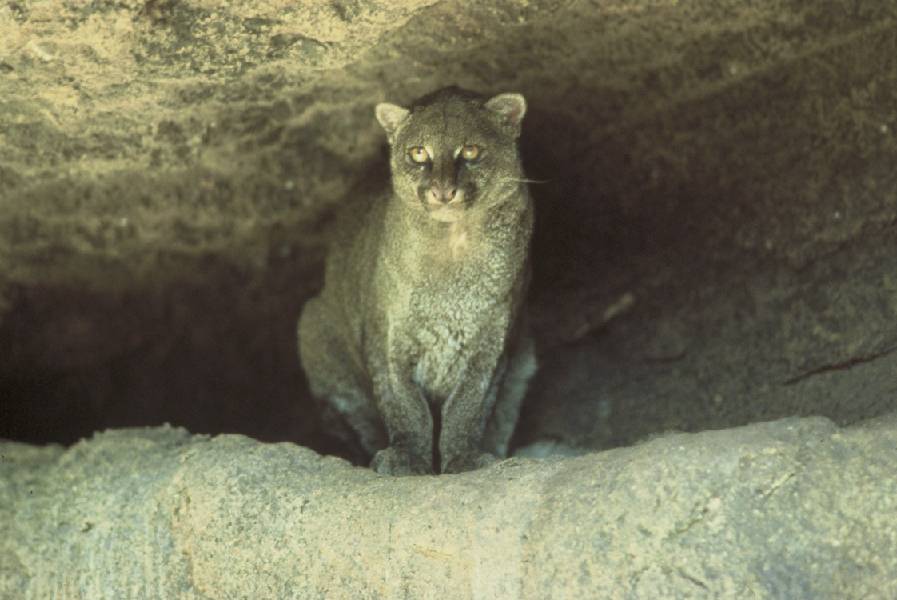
(468, 462)
(395, 461)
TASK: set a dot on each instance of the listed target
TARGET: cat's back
(352, 251)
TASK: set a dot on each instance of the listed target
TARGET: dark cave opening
(646, 321)
(697, 265)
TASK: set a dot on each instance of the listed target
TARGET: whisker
(527, 180)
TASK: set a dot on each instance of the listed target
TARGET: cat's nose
(439, 194)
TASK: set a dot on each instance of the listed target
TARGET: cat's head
(453, 151)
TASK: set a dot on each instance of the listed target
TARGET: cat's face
(454, 153)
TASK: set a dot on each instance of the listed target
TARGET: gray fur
(421, 312)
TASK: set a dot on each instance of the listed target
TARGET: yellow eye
(470, 152)
(418, 154)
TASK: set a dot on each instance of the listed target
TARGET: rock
(796, 508)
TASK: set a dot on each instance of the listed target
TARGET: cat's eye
(418, 154)
(470, 152)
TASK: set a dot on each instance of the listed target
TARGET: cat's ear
(510, 108)
(391, 116)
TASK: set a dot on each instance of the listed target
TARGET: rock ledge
(796, 508)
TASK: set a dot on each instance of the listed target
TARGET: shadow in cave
(214, 352)
(656, 308)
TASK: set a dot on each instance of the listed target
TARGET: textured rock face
(715, 246)
(790, 509)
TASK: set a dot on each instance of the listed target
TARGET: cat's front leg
(409, 423)
(465, 412)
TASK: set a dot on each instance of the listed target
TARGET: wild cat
(418, 340)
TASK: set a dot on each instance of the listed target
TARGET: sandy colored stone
(787, 509)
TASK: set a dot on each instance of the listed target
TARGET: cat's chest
(462, 260)
(450, 321)
(450, 300)
(453, 251)
(445, 347)
(459, 243)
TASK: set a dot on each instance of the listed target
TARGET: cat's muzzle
(445, 204)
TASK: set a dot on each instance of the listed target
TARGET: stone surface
(793, 509)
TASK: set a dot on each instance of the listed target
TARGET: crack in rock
(845, 365)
